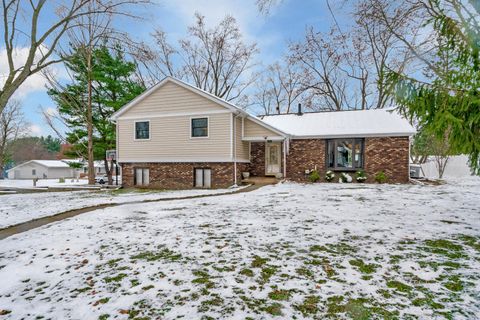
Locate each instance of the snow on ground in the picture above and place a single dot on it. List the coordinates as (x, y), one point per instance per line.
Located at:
(23, 207)
(286, 251)
(28, 183)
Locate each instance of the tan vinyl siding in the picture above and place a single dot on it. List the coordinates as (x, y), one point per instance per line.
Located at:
(172, 99)
(253, 129)
(170, 140)
(242, 146)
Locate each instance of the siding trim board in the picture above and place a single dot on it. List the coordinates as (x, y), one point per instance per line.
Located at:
(180, 160)
(177, 114)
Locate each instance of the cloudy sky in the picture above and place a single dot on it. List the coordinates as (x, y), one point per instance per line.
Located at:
(286, 23)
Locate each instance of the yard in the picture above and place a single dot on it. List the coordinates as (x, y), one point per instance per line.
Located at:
(286, 251)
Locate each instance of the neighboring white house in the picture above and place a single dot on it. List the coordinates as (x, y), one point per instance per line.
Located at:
(42, 169)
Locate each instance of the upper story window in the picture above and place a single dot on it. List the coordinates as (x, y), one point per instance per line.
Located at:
(142, 130)
(199, 127)
(345, 154)
(34, 172)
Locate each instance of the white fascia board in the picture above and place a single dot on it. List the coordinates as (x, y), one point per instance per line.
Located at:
(368, 135)
(261, 139)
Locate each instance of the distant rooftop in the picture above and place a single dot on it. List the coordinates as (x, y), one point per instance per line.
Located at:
(356, 123)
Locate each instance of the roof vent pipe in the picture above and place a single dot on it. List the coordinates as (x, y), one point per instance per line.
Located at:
(299, 109)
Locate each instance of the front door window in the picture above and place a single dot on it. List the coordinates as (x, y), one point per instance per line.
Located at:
(273, 158)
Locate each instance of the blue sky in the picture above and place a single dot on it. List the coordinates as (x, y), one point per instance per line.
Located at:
(287, 22)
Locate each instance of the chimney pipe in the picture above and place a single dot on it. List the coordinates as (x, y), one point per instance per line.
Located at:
(299, 109)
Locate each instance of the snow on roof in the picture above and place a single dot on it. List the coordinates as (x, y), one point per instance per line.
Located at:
(52, 163)
(358, 123)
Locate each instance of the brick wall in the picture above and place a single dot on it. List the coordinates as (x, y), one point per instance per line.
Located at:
(305, 154)
(257, 159)
(181, 175)
(389, 154)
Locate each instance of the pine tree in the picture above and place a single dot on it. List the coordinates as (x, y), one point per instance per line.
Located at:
(112, 87)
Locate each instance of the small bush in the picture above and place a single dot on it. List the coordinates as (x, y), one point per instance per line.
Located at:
(61, 180)
(314, 176)
(361, 176)
(329, 175)
(381, 177)
(345, 178)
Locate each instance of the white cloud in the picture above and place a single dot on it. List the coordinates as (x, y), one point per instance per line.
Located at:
(35, 82)
(245, 12)
(35, 130)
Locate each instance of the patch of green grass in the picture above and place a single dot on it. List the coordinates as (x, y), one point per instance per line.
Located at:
(399, 286)
(471, 241)
(104, 316)
(267, 272)
(275, 309)
(454, 284)
(317, 247)
(134, 282)
(445, 248)
(151, 286)
(164, 254)
(362, 267)
(302, 271)
(309, 306)
(206, 305)
(119, 277)
(258, 262)
(279, 294)
(246, 272)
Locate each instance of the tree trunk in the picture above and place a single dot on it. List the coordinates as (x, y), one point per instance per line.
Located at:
(108, 170)
(91, 167)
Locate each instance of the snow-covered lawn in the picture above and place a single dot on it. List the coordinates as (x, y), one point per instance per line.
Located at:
(28, 183)
(18, 208)
(287, 251)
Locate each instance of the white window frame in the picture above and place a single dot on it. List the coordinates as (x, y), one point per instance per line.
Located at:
(135, 130)
(208, 127)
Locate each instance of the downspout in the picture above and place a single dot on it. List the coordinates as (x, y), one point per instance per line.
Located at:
(234, 150)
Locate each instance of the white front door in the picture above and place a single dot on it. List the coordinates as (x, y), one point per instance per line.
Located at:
(273, 155)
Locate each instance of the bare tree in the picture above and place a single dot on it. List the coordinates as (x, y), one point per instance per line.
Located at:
(320, 58)
(42, 37)
(278, 88)
(215, 59)
(12, 125)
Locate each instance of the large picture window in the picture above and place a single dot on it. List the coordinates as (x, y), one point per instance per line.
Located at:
(345, 154)
(142, 130)
(199, 127)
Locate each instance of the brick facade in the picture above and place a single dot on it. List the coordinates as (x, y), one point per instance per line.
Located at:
(389, 154)
(181, 175)
(257, 159)
(305, 154)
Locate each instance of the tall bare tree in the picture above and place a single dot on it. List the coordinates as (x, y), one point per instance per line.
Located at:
(26, 26)
(215, 59)
(12, 125)
(279, 88)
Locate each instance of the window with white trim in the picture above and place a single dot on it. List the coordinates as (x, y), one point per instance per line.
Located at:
(203, 178)
(345, 154)
(199, 127)
(142, 130)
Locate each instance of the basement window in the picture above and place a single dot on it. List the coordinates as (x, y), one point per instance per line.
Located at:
(199, 128)
(142, 176)
(203, 178)
(345, 154)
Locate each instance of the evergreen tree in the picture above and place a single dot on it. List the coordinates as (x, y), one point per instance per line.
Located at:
(113, 87)
(451, 101)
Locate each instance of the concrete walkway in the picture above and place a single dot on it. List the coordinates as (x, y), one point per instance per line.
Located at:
(36, 223)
